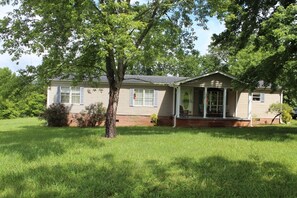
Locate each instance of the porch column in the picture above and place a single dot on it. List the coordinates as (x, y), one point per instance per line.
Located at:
(236, 103)
(177, 101)
(224, 102)
(173, 103)
(205, 102)
(250, 98)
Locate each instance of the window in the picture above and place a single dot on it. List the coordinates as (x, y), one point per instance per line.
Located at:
(70, 95)
(143, 97)
(75, 95)
(65, 94)
(258, 97)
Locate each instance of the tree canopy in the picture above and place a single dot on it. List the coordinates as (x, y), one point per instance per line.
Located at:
(87, 38)
(19, 96)
(261, 42)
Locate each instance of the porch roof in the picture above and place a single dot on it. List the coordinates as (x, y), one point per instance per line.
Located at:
(178, 83)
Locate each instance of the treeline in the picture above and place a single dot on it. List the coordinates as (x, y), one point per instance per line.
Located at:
(20, 96)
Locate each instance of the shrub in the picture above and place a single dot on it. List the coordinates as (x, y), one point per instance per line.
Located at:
(56, 115)
(154, 119)
(281, 109)
(8, 109)
(94, 113)
(286, 117)
(32, 105)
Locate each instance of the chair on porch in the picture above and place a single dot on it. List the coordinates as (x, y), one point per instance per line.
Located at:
(183, 112)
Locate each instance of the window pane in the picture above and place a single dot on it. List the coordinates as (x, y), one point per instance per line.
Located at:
(65, 94)
(75, 98)
(138, 97)
(149, 97)
(65, 89)
(65, 98)
(256, 96)
(75, 90)
(75, 95)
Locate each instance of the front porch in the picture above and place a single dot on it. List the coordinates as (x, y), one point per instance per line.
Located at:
(209, 100)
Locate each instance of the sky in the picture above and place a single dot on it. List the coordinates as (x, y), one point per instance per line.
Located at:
(204, 39)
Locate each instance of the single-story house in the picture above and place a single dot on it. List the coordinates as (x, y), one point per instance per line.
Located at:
(206, 100)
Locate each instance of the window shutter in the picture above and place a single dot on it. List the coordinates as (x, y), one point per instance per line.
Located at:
(131, 97)
(58, 95)
(81, 95)
(155, 98)
(262, 97)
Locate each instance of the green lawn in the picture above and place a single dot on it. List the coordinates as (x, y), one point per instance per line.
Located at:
(36, 161)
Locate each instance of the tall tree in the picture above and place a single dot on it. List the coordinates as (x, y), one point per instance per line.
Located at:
(86, 38)
(182, 64)
(19, 96)
(261, 42)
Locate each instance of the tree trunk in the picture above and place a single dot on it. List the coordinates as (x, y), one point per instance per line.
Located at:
(110, 122)
(275, 117)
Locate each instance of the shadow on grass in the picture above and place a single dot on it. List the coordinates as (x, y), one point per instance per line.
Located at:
(183, 177)
(263, 133)
(217, 176)
(34, 142)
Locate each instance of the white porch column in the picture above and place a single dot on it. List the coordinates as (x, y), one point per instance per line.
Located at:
(250, 99)
(173, 102)
(205, 102)
(177, 101)
(224, 102)
(236, 103)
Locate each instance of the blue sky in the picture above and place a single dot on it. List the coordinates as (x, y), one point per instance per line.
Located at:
(204, 39)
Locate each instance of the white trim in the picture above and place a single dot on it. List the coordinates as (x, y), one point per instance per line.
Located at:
(173, 103)
(224, 102)
(203, 76)
(47, 97)
(281, 101)
(205, 102)
(177, 101)
(250, 99)
(143, 98)
(70, 95)
(174, 121)
(236, 103)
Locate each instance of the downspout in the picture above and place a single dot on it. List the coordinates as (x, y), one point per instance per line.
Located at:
(281, 101)
(174, 121)
(250, 98)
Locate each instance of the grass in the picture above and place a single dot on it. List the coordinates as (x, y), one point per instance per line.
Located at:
(37, 161)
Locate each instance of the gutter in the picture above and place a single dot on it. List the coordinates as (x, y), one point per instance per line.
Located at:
(174, 121)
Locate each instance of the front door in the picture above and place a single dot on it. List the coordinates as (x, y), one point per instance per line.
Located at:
(215, 102)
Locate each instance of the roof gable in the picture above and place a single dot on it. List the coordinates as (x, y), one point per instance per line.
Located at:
(189, 80)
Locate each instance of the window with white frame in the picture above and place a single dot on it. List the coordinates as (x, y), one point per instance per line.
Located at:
(258, 97)
(143, 97)
(70, 95)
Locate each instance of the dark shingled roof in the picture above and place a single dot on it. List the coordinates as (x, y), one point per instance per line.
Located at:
(164, 80)
(152, 79)
(140, 79)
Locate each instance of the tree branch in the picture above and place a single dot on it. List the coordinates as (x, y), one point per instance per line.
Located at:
(148, 27)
